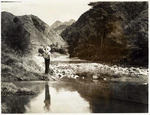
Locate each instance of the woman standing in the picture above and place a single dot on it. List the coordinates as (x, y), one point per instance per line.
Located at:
(46, 56)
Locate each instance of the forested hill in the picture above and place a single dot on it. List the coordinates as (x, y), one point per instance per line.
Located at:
(25, 33)
(111, 32)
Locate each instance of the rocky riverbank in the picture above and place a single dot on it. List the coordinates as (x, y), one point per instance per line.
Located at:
(95, 71)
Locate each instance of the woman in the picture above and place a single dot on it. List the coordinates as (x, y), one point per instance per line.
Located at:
(46, 56)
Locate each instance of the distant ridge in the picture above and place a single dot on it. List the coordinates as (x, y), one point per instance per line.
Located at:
(59, 26)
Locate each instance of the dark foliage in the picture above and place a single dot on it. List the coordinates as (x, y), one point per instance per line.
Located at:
(58, 48)
(112, 32)
(40, 50)
(15, 36)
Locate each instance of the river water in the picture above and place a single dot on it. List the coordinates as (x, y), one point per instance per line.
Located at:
(71, 96)
(68, 97)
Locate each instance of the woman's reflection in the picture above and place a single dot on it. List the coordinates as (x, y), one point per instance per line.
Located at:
(47, 100)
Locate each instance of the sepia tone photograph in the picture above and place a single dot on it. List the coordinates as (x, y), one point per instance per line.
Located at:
(74, 56)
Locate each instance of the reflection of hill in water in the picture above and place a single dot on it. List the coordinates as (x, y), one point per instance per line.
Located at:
(114, 98)
(15, 103)
(33, 85)
(98, 97)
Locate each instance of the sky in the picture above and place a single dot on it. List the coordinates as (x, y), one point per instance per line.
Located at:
(48, 10)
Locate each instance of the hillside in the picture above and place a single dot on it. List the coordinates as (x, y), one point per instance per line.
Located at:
(22, 36)
(111, 32)
(30, 29)
(60, 26)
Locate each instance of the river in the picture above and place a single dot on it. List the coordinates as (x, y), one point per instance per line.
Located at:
(67, 97)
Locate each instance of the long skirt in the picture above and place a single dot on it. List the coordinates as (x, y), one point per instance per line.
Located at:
(47, 62)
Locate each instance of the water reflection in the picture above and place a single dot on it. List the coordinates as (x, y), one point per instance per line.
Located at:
(47, 100)
(69, 97)
(58, 97)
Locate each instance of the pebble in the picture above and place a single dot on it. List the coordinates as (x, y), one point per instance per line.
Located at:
(104, 79)
(95, 77)
(83, 77)
(76, 76)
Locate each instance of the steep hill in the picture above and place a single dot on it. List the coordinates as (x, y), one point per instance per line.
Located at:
(60, 26)
(111, 32)
(27, 32)
(21, 37)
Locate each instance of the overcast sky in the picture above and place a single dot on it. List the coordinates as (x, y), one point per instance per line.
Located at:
(48, 10)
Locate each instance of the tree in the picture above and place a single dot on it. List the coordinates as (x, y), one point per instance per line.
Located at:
(105, 14)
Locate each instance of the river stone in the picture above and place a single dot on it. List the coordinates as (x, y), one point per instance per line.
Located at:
(95, 77)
